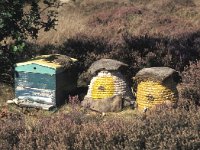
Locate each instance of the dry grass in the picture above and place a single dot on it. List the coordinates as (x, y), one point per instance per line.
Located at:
(163, 18)
(6, 93)
(70, 23)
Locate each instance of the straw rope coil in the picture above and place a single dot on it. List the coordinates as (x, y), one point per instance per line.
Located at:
(151, 93)
(103, 87)
(107, 84)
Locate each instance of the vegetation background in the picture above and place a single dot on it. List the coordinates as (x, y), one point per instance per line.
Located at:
(141, 33)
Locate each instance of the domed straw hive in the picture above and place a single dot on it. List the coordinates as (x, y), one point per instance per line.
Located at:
(156, 85)
(108, 87)
(108, 84)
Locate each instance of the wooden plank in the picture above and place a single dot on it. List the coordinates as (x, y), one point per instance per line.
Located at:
(41, 60)
(27, 103)
(36, 105)
(35, 87)
(35, 80)
(35, 68)
(38, 95)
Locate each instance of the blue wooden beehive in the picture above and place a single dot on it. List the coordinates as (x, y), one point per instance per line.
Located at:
(44, 82)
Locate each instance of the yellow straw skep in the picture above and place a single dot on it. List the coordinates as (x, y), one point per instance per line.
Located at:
(108, 84)
(103, 87)
(156, 86)
(150, 93)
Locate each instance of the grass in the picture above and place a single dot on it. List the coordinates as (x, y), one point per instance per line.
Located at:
(69, 24)
(6, 93)
(164, 18)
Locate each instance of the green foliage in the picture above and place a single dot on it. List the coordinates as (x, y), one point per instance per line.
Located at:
(21, 19)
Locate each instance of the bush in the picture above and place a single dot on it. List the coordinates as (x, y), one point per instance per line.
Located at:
(161, 129)
(8, 58)
(10, 127)
(191, 83)
(138, 52)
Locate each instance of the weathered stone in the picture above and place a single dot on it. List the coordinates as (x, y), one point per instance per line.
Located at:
(99, 65)
(112, 104)
(106, 64)
(157, 74)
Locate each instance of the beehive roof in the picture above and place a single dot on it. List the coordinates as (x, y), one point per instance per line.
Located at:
(54, 61)
(157, 74)
(106, 64)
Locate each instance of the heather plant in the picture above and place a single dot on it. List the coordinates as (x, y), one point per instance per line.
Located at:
(191, 83)
(160, 129)
(110, 16)
(164, 51)
(138, 52)
(10, 126)
(85, 49)
(73, 100)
